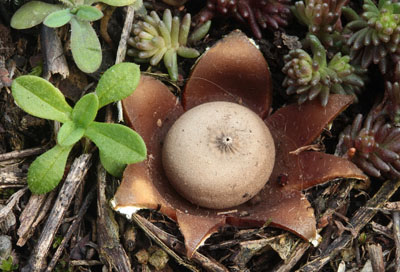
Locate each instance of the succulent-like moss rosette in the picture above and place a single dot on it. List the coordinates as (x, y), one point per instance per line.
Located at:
(392, 101)
(257, 14)
(311, 77)
(322, 17)
(155, 39)
(375, 34)
(374, 145)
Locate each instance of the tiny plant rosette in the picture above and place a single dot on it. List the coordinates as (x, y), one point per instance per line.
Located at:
(155, 39)
(314, 76)
(118, 144)
(375, 34)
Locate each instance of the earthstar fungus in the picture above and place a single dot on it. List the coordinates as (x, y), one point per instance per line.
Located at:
(240, 76)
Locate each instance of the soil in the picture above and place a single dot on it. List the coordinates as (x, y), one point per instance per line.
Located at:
(354, 238)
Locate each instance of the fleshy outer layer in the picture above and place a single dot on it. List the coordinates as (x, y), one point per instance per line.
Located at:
(232, 70)
(152, 109)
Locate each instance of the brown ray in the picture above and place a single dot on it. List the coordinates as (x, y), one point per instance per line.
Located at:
(232, 70)
(320, 167)
(278, 207)
(149, 106)
(137, 191)
(196, 229)
(303, 123)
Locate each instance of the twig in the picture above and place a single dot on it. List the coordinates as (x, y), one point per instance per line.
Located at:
(297, 253)
(357, 222)
(248, 249)
(72, 229)
(168, 242)
(19, 154)
(11, 203)
(85, 263)
(376, 257)
(396, 234)
(121, 52)
(108, 11)
(338, 200)
(53, 54)
(383, 230)
(12, 175)
(110, 250)
(43, 212)
(9, 186)
(78, 171)
(28, 216)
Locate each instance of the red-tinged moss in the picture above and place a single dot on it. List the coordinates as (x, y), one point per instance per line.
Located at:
(257, 14)
(322, 17)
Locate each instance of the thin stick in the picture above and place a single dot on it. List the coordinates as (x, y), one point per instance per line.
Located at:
(376, 257)
(20, 154)
(13, 200)
(298, 252)
(396, 234)
(78, 171)
(110, 249)
(28, 216)
(85, 263)
(43, 212)
(357, 222)
(121, 52)
(169, 242)
(72, 228)
(53, 53)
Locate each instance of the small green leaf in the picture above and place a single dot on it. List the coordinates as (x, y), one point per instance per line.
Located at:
(114, 168)
(85, 46)
(69, 134)
(47, 170)
(117, 142)
(7, 264)
(85, 110)
(117, 83)
(40, 98)
(117, 3)
(200, 33)
(88, 13)
(32, 13)
(58, 18)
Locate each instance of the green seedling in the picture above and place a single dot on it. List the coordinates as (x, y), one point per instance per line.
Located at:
(118, 145)
(85, 45)
(7, 265)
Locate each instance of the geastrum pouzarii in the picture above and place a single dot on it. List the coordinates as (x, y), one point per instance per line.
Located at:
(233, 70)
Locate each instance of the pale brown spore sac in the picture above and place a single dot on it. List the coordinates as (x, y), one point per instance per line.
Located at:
(218, 155)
